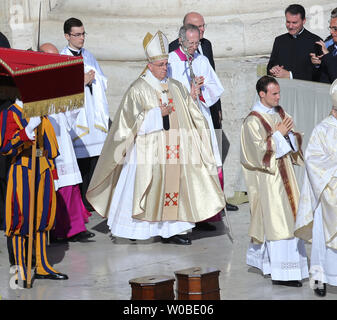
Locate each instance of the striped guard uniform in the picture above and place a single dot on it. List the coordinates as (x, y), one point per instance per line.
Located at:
(16, 144)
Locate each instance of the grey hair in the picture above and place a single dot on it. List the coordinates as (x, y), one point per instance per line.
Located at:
(334, 13)
(184, 29)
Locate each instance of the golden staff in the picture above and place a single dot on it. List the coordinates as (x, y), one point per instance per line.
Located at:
(192, 75)
(32, 193)
(31, 213)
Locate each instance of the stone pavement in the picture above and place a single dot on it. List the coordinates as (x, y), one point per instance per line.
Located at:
(101, 268)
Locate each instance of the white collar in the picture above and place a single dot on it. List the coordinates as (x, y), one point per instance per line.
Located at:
(153, 78)
(155, 84)
(75, 50)
(195, 55)
(297, 34)
(260, 107)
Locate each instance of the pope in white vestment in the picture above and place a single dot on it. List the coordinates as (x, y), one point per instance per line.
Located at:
(146, 182)
(317, 212)
(267, 157)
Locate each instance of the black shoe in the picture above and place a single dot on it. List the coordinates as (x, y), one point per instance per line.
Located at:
(178, 239)
(291, 283)
(231, 207)
(206, 226)
(24, 283)
(84, 235)
(321, 292)
(51, 276)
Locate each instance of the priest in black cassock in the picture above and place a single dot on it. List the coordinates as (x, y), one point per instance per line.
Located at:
(290, 57)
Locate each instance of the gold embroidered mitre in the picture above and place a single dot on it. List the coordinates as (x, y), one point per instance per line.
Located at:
(155, 47)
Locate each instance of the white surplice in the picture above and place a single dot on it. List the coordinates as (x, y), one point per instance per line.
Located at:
(91, 126)
(317, 213)
(286, 259)
(211, 90)
(120, 219)
(66, 163)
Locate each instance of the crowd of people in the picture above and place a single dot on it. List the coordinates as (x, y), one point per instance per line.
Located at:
(155, 169)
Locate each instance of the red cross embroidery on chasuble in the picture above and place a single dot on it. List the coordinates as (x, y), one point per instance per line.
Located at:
(172, 152)
(171, 199)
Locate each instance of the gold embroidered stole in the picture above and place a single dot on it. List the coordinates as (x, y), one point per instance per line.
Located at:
(172, 166)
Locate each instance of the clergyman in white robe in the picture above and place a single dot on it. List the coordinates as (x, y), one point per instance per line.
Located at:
(91, 126)
(71, 214)
(317, 213)
(211, 90)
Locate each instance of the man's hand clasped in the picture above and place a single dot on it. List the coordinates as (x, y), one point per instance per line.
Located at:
(196, 88)
(279, 72)
(165, 109)
(285, 126)
(89, 77)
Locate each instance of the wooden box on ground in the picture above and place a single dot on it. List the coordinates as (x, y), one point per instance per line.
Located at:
(198, 284)
(156, 287)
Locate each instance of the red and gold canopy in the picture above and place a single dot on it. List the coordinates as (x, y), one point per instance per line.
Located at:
(46, 83)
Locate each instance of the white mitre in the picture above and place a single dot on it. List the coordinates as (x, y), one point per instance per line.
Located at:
(156, 47)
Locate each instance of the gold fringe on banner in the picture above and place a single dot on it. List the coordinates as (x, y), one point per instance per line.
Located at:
(50, 106)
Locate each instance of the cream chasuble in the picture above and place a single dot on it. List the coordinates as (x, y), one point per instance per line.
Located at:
(319, 190)
(163, 171)
(271, 182)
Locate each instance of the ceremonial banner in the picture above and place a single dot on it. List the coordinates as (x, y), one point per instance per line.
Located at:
(46, 83)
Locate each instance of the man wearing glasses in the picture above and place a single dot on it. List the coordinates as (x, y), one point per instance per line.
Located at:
(152, 180)
(204, 48)
(205, 88)
(91, 126)
(327, 61)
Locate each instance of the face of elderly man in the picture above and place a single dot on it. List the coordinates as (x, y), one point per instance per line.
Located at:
(197, 20)
(192, 41)
(159, 68)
